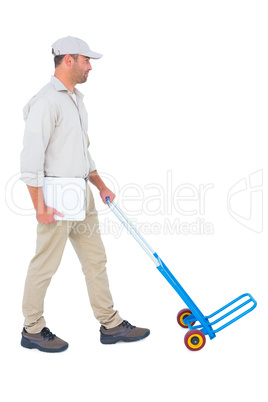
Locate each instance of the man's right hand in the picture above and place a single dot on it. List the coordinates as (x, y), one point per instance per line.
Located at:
(47, 215)
(44, 214)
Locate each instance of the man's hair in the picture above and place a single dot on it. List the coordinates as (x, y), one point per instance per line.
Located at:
(58, 59)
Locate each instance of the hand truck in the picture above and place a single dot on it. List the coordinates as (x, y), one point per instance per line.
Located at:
(195, 338)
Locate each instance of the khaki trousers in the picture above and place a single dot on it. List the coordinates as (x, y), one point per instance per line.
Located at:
(86, 240)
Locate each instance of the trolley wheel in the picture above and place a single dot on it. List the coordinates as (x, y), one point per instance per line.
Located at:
(183, 314)
(194, 340)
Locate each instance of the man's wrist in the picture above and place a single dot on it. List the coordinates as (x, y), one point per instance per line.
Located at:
(95, 179)
(102, 188)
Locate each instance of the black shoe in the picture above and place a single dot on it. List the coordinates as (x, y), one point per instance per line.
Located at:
(44, 341)
(124, 332)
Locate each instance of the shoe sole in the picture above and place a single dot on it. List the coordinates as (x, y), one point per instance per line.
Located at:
(30, 345)
(111, 340)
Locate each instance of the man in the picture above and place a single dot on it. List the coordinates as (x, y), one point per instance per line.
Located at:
(56, 145)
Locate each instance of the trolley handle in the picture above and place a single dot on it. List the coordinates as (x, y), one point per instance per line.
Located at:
(132, 230)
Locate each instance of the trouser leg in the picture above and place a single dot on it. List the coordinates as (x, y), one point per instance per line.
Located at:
(50, 243)
(88, 245)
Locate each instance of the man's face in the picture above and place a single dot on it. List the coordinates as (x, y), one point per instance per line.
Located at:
(80, 69)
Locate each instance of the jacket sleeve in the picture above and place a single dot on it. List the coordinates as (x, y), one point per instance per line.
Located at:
(39, 126)
(92, 165)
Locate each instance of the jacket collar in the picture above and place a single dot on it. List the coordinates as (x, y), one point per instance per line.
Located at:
(59, 86)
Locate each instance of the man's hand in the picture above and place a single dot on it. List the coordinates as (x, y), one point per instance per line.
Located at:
(105, 192)
(44, 214)
(47, 215)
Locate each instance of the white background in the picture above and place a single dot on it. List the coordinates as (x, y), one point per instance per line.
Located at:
(182, 88)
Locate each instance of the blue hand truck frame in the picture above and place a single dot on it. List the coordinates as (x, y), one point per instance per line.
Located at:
(195, 338)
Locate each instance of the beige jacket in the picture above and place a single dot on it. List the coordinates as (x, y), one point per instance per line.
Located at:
(55, 138)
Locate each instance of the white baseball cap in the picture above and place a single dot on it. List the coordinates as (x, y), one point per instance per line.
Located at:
(71, 45)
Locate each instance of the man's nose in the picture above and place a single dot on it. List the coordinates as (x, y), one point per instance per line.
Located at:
(89, 66)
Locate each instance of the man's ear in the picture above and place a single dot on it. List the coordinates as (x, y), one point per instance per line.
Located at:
(68, 60)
